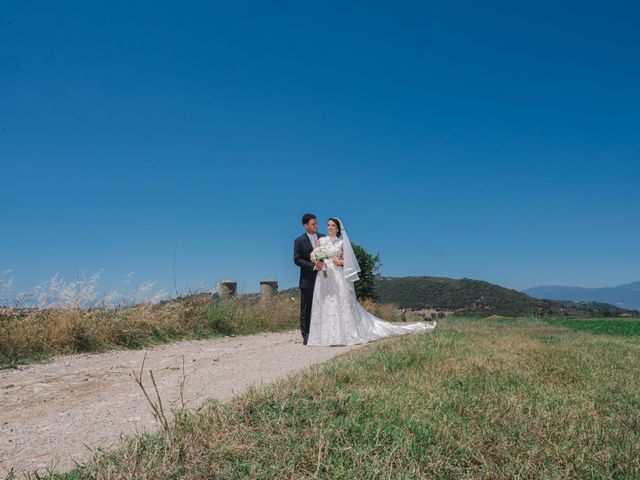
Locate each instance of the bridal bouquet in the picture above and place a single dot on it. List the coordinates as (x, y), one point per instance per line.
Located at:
(320, 254)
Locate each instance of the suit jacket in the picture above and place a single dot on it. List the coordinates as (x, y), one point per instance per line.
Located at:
(302, 249)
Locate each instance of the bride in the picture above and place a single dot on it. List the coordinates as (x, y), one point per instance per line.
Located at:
(336, 317)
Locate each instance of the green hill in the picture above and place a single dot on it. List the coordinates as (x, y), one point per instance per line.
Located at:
(467, 296)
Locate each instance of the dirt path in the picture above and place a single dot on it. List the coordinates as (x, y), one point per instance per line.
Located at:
(51, 413)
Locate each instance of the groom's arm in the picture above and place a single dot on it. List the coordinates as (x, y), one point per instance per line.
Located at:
(299, 259)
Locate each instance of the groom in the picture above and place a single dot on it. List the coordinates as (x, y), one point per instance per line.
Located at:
(302, 248)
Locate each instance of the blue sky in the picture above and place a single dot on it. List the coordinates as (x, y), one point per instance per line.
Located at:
(497, 141)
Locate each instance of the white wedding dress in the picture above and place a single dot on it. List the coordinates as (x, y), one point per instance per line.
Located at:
(336, 316)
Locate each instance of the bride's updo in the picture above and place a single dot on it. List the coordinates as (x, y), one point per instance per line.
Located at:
(338, 226)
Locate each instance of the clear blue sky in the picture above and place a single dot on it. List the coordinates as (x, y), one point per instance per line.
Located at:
(497, 141)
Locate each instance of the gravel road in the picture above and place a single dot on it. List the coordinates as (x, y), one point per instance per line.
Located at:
(52, 414)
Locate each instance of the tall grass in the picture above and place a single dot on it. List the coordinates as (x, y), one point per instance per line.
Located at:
(474, 400)
(41, 333)
(83, 292)
(386, 311)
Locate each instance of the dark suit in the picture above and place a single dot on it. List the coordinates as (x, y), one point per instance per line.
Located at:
(302, 249)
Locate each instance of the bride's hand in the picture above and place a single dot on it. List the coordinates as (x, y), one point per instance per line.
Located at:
(338, 261)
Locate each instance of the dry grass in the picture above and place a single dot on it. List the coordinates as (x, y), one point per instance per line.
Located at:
(474, 400)
(42, 333)
(386, 311)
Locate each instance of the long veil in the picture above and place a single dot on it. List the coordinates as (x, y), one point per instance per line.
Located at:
(351, 267)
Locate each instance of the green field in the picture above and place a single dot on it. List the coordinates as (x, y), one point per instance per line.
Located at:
(607, 326)
(520, 398)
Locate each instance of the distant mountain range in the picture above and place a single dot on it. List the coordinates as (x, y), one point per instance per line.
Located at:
(475, 297)
(623, 296)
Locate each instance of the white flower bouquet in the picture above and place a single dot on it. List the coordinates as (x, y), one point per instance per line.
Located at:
(320, 254)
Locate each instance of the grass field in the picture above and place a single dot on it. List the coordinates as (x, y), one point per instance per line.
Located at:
(511, 398)
(627, 327)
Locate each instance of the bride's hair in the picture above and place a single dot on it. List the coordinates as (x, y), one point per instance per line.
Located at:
(337, 222)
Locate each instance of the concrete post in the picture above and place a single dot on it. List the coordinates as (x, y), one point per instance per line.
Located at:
(268, 288)
(227, 289)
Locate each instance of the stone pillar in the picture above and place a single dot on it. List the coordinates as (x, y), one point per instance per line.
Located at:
(268, 288)
(227, 289)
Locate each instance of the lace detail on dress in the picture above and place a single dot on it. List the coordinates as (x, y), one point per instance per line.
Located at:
(337, 318)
